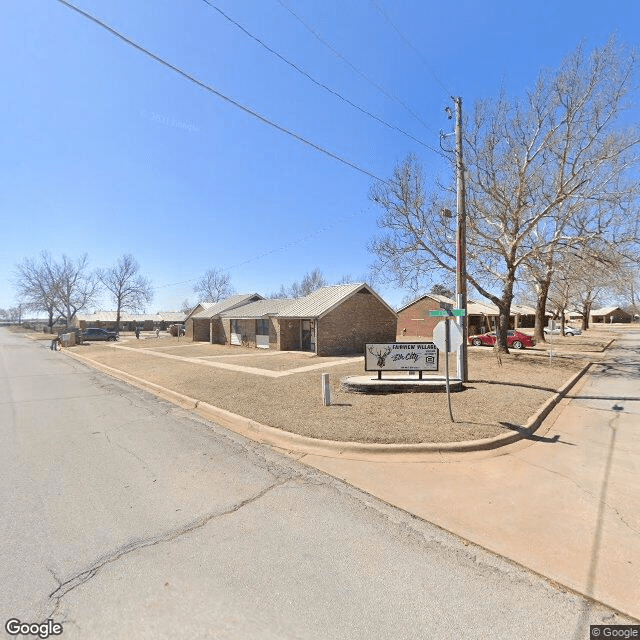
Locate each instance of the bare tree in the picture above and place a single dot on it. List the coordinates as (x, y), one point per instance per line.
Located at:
(282, 292)
(14, 314)
(544, 173)
(214, 285)
(442, 290)
(77, 287)
(128, 288)
(310, 282)
(36, 285)
(186, 306)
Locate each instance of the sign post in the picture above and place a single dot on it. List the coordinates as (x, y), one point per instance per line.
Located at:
(447, 337)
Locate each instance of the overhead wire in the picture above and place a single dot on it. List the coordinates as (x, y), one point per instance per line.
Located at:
(282, 247)
(317, 82)
(217, 93)
(337, 53)
(408, 42)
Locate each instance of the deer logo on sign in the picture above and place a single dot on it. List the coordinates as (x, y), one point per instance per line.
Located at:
(381, 355)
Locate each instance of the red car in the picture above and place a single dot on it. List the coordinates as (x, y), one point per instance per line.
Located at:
(515, 339)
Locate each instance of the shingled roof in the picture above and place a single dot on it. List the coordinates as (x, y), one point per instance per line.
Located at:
(323, 300)
(258, 309)
(216, 308)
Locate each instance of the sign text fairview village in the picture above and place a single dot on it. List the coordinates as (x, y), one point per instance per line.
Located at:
(401, 356)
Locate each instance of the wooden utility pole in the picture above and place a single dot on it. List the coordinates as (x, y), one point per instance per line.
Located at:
(461, 246)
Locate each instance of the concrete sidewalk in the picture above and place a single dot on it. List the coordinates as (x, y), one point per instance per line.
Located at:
(565, 503)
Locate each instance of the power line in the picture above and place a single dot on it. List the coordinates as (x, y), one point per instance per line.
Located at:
(408, 42)
(331, 48)
(217, 93)
(317, 82)
(283, 247)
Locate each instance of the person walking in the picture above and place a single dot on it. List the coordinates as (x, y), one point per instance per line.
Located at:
(55, 343)
(138, 332)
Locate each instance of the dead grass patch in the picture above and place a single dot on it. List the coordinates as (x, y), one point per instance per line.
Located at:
(496, 396)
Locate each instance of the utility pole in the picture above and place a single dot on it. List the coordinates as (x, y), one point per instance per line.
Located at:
(461, 246)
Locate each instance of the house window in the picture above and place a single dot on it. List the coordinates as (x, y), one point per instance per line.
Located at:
(262, 327)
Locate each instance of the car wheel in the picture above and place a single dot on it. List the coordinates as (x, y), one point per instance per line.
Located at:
(516, 344)
(476, 342)
(569, 334)
(111, 339)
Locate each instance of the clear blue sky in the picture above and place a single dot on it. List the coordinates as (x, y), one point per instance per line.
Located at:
(105, 151)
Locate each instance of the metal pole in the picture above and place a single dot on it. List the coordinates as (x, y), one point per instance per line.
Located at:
(447, 344)
(461, 246)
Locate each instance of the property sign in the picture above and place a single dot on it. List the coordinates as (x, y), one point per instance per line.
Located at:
(401, 356)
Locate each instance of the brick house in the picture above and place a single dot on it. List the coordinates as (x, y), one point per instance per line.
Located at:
(610, 314)
(414, 320)
(330, 321)
(203, 324)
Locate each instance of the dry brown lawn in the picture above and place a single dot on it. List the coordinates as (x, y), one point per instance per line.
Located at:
(498, 397)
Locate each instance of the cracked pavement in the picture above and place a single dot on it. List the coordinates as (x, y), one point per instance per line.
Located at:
(126, 517)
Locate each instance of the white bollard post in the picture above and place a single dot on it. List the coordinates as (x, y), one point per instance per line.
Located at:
(326, 390)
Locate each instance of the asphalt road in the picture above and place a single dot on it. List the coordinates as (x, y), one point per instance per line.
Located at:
(126, 517)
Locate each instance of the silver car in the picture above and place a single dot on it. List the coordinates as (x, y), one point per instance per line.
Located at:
(568, 331)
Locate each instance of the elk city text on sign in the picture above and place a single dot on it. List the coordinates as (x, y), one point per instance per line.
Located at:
(401, 356)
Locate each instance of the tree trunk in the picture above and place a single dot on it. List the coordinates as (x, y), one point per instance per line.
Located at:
(586, 311)
(503, 326)
(541, 307)
(117, 327)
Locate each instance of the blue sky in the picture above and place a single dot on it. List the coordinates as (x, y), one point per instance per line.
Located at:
(106, 152)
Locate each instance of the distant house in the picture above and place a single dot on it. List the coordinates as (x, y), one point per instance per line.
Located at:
(610, 314)
(330, 321)
(128, 321)
(524, 316)
(414, 320)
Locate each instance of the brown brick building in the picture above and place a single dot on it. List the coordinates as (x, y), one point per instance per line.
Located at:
(414, 320)
(330, 321)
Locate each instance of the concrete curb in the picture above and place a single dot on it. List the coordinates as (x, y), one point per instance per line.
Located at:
(278, 438)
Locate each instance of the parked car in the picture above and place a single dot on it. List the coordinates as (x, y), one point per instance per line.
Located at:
(95, 333)
(568, 331)
(515, 340)
(177, 330)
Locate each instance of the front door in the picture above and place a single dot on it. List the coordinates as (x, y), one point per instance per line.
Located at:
(306, 335)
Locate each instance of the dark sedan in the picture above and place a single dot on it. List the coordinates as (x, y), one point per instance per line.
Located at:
(515, 340)
(95, 333)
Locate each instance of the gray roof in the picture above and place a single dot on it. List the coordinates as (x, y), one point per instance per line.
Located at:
(110, 316)
(315, 305)
(216, 308)
(323, 300)
(259, 309)
(605, 311)
(436, 297)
